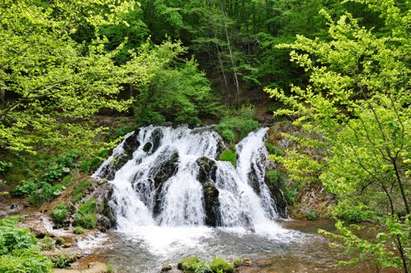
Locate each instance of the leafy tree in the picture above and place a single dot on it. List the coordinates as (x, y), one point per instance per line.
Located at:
(355, 128)
(52, 81)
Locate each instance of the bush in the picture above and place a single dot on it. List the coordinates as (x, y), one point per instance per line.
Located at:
(193, 265)
(219, 265)
(179, 94)
(59, 214)
(27, 261)
(85, 216)
(235, 125)
(228, 155)
(62, 261)
(18, 250)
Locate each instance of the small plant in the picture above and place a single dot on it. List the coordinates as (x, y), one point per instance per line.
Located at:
(274, 177)
(19, 251)
(311, 215)
(62, 261)
(78, 230)
(228, 155)
(219, 265)
(194, 265)
(85, 216)
(59, 214)
(80, 190)
(46, 243)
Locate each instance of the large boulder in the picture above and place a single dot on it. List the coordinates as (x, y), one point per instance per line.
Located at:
(130, 144)
(105, 215)
(207, 177)
(280, 203)
(166, 169)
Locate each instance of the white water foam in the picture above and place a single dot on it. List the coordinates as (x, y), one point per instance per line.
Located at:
(171, 215)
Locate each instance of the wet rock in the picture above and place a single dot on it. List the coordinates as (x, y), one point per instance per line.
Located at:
(207, 170)
(130, 144)
(254, 179)
(147, 147)
(207, 177)
(166, 170)
(105, 215)
(280, 203)
(155, 139)
(166, 268)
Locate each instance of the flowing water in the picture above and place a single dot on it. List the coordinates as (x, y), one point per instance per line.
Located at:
(173, 198)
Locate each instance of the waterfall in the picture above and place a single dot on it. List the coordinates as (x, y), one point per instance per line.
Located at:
(163, 176)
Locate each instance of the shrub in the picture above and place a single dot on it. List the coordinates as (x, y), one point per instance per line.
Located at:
(219, 265)
(62, 261)
(228, 155)
(274, 177)
(193, 265)
(27, 261)
(59, 214)
(18, 250)
(85, 216)
(235, 125)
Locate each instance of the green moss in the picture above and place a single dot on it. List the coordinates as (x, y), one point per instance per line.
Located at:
(219, 265)
(59, 214)
(274, 149)
(85, 215)
(228, 155)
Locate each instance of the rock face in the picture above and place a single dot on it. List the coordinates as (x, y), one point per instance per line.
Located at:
(207, 177)
(279, 199)
(105, 215)
(164, 172)
(130, 144)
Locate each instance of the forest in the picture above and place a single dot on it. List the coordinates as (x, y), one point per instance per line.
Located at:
(141, 121)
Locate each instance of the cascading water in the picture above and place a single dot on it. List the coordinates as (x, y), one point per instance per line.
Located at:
(163, 176)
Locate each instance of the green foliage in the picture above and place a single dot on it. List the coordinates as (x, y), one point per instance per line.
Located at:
(85, 215)
(180, 95)
(194, 265)
(355, 129)
(219, 265)
(59, 214)
(18, 250)
(62, 261)
(235, 125)
(46, 243)
(275, 177)
(228, 155)
(311, 215)
(80, 190)
(78, 230)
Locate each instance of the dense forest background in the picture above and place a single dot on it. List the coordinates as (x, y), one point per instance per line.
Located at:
(331, 77)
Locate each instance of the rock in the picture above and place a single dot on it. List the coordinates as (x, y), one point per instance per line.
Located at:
(166, 268)
(130, 144)
(105, 214)
(155, 139)
(166, 170)
(246, 262)
(207, 177)
(280, 204)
